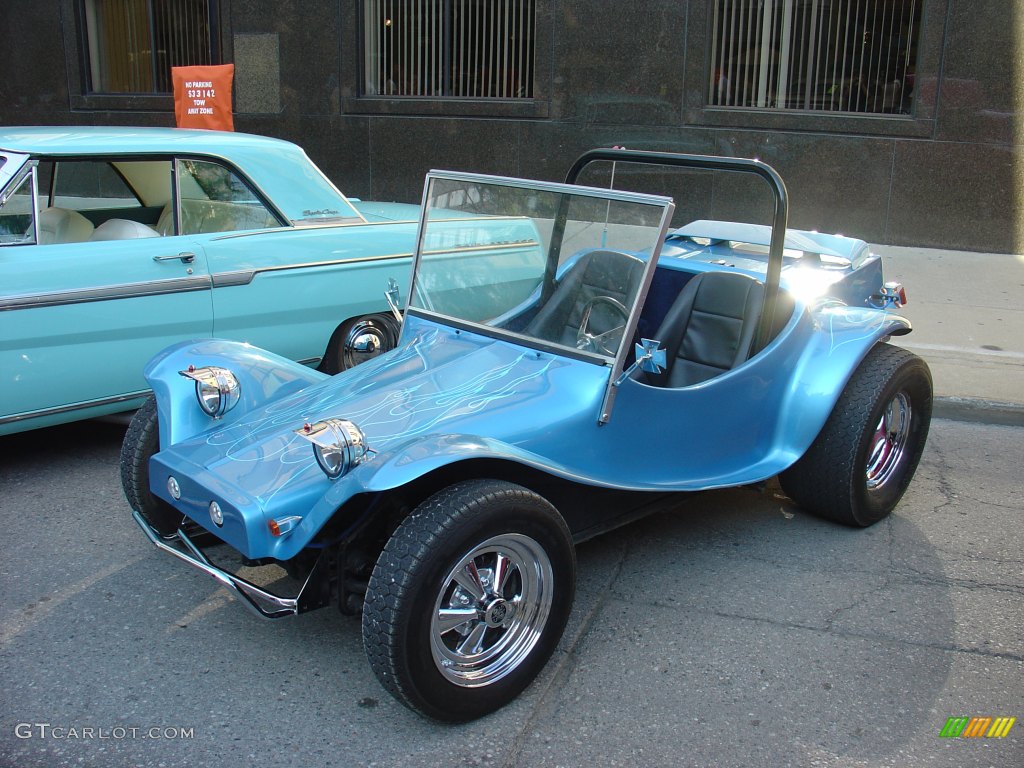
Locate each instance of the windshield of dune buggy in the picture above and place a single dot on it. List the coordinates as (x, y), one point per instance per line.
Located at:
(549, 265)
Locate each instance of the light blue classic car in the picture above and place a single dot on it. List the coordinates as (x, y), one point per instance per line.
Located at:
(566, 363)
(115, 242)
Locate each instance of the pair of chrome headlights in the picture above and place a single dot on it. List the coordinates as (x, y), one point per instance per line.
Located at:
(338, 444)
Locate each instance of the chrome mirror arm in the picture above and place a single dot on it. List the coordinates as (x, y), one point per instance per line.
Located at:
(392, 295)
(650, 357)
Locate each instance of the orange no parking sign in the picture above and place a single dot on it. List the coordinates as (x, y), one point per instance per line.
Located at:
(202, 97)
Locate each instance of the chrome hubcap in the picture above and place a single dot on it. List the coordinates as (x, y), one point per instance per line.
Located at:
(889, 442)
(365, 341)
(491, 610)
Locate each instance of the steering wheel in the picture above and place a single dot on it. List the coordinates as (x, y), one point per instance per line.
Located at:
(608, 341)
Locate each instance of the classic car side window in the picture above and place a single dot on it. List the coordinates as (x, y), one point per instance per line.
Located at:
(214, 199)
(86, 200)
(86, 185)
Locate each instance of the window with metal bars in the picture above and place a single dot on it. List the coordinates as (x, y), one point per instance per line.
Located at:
(473, 49)
(821, 55)
(132, 44)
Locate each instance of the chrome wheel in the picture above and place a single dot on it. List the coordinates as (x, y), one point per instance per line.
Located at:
(469, 598)
(359, 340)
(365, 340)
(889, 442)
(491, 610)
(862, 461)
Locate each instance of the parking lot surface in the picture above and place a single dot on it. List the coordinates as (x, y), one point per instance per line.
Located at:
(733, 630)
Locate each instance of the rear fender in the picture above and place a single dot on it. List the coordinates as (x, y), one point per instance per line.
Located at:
(842, 338)
(262, 377)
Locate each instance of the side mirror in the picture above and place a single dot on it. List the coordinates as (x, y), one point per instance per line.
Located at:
(650, 357)
(393, 296)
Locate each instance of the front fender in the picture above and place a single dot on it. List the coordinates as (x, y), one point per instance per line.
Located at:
(262, 376)
(842, 338)
(423, 456)
(384, 472)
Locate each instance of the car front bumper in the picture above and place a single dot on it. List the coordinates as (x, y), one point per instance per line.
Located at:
(262, 602)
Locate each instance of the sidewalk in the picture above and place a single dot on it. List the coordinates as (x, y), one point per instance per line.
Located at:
(968, 315)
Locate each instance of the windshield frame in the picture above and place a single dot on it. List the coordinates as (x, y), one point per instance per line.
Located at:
(613, 364)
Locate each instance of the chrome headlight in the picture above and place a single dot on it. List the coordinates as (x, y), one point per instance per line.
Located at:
(338, 445)
(217, 389)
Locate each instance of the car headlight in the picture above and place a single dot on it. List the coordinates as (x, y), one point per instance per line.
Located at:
(338, 445)
(217, 389)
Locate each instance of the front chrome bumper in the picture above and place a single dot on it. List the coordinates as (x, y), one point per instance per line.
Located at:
(263, 603)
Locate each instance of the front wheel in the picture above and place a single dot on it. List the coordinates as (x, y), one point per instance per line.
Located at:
(469, 599)
(141, 441)
(863, 459)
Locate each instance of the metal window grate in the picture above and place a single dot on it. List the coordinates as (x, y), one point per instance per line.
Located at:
(831, 55)
(478, 49)
(132, 44)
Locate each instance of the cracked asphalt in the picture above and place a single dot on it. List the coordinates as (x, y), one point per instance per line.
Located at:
(732, 631)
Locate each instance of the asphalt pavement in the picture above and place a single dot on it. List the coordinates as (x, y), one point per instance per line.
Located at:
(733, 630)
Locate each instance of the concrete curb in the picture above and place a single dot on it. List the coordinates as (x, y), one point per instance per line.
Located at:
(978, 411)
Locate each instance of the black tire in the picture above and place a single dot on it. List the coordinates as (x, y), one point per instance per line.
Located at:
(141, 441)
(417, 653)
(359, 340)
(862, 461)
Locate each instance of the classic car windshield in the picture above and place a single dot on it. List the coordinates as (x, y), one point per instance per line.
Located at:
(556, 264)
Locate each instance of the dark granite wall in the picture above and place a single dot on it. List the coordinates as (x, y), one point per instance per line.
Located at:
(631, 74)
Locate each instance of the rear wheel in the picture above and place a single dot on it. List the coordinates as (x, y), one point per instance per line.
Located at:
(359, 340)
(862, 461)
(469, 599)
(141, 441)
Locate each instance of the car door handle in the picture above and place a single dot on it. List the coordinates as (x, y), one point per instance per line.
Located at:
(184, 256)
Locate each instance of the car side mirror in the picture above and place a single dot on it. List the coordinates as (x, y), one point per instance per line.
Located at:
(650, 357)
(393, 296)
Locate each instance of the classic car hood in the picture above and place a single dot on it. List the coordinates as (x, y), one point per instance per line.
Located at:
(472, 385)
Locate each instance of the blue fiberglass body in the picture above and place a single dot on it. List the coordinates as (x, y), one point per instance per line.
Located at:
(565, 364)
(442, 398)
(458, 391)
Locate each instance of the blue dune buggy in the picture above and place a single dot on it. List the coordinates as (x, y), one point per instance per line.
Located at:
(565, 364)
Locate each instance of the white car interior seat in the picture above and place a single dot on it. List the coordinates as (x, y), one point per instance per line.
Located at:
(122, 229)
(62, 225)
